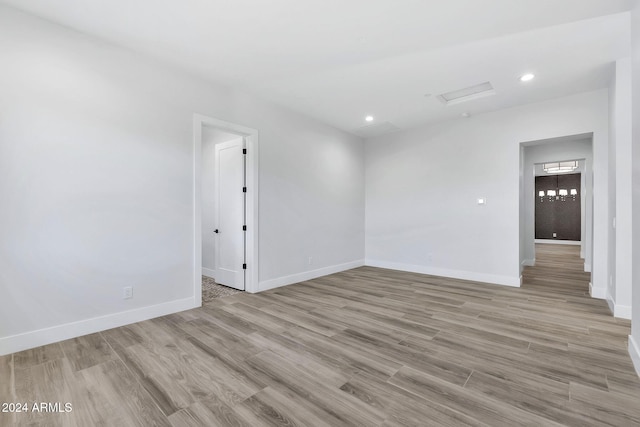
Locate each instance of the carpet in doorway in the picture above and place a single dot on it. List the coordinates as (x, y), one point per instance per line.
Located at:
(211, 290)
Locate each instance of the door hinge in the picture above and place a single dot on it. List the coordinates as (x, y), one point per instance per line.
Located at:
(244, 266)
(244, 189)
(244, 151)
(244, 228)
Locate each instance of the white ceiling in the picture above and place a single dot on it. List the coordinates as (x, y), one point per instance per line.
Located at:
(339, 60)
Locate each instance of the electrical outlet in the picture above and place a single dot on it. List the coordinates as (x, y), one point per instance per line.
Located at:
(554, 235)
(127, 292)
(310, 260)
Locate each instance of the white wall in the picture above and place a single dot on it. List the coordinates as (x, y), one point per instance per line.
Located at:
(210, 137)
(634, 341)
(313, 203)
(620, 194)
(96, 164)
(557, 150)
(611, 202)
(422, 186)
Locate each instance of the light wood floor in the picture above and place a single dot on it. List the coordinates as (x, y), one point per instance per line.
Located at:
(367, 347)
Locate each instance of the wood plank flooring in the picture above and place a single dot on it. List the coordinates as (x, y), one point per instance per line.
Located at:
(366, 347)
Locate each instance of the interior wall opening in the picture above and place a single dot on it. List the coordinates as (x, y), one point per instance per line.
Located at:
(556, 204)
(223, 212)
(225, 208)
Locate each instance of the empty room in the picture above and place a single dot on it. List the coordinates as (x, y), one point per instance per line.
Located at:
(319, 213)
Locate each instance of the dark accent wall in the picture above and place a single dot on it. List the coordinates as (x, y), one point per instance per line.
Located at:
(556, 215)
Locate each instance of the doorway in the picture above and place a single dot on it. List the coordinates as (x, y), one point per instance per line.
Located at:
(533, 157)
(225, 205)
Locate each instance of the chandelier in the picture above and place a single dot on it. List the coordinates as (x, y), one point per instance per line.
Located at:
(561, 193)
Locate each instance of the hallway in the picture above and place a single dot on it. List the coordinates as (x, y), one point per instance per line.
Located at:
(559, 270)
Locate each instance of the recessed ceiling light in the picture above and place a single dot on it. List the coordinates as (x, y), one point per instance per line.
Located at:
(369, 118)
(527, 77)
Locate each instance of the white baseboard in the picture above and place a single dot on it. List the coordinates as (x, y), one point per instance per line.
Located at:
(600, 293)
(611, 303)
(634, 352)
(307, 275)
(622, 311)
(587, 268)
(558, 242)
(209, 272)
(454, 274)
(529, 262)
(27, 340)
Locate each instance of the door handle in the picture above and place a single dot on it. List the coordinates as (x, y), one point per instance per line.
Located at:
(216, 231)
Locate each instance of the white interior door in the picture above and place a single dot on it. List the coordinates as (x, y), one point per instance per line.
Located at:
(230, 213)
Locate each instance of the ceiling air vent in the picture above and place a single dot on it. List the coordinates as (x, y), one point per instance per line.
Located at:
(467, 94)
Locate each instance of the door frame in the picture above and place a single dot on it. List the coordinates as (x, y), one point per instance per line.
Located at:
(251, 248)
